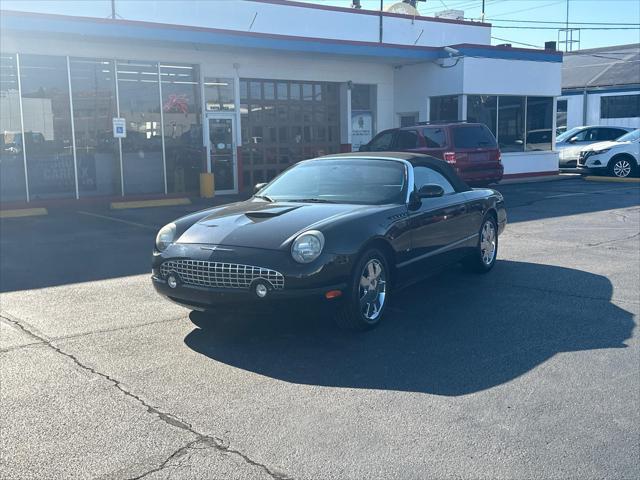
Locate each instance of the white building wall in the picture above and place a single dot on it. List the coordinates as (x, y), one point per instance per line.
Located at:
(575, 111)
(489, 76)
(297, 20)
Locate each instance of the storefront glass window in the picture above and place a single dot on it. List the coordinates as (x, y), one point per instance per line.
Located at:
(561, 116)
(12, 184)
(483, 109)
(286, 123)
(182, 114)
(93, 88)
(444, 109)
(511, 124)
(219, 95)
(47, 126)
(142, 148)
(539, 123)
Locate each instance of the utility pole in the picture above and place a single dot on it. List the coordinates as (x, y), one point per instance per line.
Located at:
(381, 6)
(113, 9)
(482, 16)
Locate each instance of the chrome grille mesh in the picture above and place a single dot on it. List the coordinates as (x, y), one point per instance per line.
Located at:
(220, 275)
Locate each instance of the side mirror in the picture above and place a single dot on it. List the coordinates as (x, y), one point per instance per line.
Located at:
(573, 140)
(258, 187)
(430, 190)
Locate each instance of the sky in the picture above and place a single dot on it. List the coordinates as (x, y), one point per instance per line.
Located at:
(503, 14)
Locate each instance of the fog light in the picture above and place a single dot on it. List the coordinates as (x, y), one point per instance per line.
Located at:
(172, 281)
(261, 290)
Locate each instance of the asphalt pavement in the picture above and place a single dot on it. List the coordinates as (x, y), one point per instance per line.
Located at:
(531, 371)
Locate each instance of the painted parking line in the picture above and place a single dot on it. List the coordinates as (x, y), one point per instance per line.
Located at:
(120, 220)
(23, 212)
(612, 179)
(162, 202)
(578, 194)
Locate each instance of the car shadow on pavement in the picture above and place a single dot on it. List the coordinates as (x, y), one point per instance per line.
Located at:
(453, 334)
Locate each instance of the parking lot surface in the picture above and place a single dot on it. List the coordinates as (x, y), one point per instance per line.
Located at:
(531, 371)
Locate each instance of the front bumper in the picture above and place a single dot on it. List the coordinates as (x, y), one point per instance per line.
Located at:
(224, 285)
(203, 298)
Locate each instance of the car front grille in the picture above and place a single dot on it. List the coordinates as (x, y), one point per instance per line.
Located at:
(220, 275)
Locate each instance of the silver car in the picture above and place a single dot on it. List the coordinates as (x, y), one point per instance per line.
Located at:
(571, 142)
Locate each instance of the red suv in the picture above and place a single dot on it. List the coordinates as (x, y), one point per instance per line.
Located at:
(470, 148)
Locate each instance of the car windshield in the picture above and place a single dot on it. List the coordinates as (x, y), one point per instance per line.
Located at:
(568, 134)
(630, 137)
(350, 180)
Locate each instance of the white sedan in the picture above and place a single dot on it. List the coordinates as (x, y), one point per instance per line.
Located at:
(619, 158)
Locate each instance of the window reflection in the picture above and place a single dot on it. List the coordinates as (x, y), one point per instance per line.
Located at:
(184, 151)
(444, 109)
(94, 106)
(47, 126)
(284, 122)
(539, 123)
(142, 148)
(511, 124)
(483, 109)
(218, 94)
(12, 183)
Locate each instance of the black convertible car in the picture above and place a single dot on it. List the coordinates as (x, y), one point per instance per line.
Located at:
(345, 228)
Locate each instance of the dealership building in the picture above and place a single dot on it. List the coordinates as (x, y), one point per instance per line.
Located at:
(141, 106)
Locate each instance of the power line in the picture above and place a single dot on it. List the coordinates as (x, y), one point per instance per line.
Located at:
(517, 43)
(562, 23)
(518, 27)
(530, 8)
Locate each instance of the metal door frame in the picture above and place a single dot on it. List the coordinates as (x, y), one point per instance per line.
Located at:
(234, 146)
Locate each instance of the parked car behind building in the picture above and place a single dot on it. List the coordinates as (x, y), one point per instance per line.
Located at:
(470, 148)
(620, 158)
(571, 142)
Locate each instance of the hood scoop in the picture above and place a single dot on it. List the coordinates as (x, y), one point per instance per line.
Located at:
(269, 212)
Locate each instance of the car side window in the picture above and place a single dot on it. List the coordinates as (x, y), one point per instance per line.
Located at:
(381, 142)
(406, 139)
(425, 175)
(434, 137)
(585, 135)
(609, 133)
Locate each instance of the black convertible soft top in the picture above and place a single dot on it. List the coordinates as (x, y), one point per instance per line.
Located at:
(415, 159)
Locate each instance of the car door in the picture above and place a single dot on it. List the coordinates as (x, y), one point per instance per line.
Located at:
(438, 225)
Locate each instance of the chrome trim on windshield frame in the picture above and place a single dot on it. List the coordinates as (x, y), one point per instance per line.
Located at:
(437, 251)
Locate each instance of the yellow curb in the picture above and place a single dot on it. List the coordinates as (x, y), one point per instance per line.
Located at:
(23, 212)
(163, 202)
(612, 179)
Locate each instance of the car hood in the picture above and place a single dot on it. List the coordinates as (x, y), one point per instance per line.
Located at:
(601, 145)
(266, 225)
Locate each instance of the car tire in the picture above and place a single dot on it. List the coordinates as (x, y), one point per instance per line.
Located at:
(622, 166)
(485, 252)
(368, 295)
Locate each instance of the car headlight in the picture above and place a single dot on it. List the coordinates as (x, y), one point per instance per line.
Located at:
(598, 152)
(307, 246)
(165, 236)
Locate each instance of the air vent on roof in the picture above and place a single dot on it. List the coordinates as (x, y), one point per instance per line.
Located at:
(451, 14)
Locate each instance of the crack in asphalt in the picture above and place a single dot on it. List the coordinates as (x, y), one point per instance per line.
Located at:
(615, 240)
(207, 440)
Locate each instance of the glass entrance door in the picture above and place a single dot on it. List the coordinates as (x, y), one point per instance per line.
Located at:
(221, 151)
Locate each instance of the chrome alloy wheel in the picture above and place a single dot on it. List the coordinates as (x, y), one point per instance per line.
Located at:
(373, 289)
(488, 242)
(622, 168)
